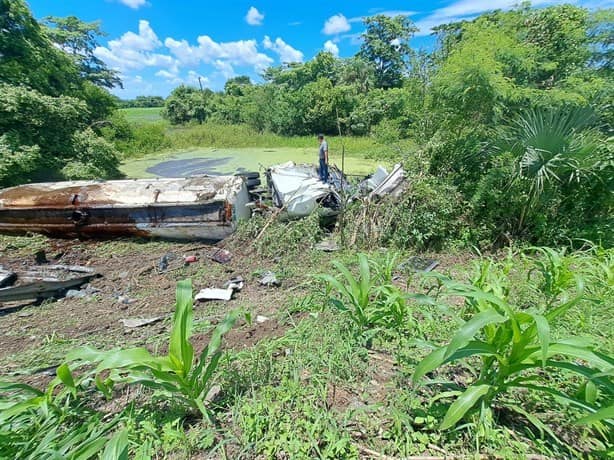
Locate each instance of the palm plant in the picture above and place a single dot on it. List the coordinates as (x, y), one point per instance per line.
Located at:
(552, 148)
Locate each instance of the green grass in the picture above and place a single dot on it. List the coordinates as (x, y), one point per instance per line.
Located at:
(252, 159)
(142, 114)
(222, 135)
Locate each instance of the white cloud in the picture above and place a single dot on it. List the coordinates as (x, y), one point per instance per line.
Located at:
(225, 68)
(241, 52)
(331, 48)
(254, 17)
(286, 52)
(467, 10)
(134, 4)
(336, 24)
(135, 51)
(194, 78)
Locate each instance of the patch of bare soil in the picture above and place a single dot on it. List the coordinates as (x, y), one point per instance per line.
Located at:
(132, 286)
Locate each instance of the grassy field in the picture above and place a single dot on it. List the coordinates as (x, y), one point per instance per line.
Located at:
(142, 114)
(252, 159)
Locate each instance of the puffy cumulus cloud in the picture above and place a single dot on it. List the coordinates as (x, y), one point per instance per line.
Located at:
(336, 24)
(468, 9)
(135, 51)
(331, 48)
(134, 4)
(225, 68)
(254, 17)
(169, 77)
(241, 52)
(194, 78)
(145, 40)
(286, 52)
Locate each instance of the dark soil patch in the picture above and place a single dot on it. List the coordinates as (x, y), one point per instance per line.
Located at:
(131, 286)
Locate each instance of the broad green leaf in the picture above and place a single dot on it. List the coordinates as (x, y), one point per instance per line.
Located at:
(354, 288)
(117, 447)
(11, 386)
(543, 335)
(432, 361)
(471, 328)
(131, 357)
(571, 351)
(64, 374)
(365, 279)
(436, 357)
(21, 407)
(463, 404)
(603, 414)
(180, 349)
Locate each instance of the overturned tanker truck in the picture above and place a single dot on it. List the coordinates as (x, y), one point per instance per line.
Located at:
(192, 208)
(202, 207)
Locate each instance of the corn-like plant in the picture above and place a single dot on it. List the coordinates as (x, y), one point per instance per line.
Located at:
(513, 345)
(178, 375)
(55, 423)
(356, 294)
(370, 300)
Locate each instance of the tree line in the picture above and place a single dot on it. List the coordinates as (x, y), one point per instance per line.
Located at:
(511, 112)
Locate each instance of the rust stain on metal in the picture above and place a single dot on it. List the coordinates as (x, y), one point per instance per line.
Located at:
(199, 207)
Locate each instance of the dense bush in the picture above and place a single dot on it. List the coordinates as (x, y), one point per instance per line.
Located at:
(430, 214)
(52, 90)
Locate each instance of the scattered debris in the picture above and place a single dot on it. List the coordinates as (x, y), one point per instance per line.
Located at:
(163, 263)
(236, 283)
(261, 319)
(126, 300)
(419, 264)
(44, 282)
(190, 259)
(40, 257)
(7, 277)
(139, 322)
(214, 294)
(75, 294)
(214, 394)
(327, 245)
(221, 256)
(269, 279)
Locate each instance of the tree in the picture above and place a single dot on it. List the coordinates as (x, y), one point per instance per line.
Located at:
(236, 86)
(79, 39)
(186, 103)
(386, 47)
(28, 56)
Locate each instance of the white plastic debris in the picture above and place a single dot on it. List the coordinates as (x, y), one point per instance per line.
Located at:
(139, 322)
(214, 294)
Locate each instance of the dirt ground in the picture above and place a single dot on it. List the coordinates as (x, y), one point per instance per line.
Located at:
(131, 285)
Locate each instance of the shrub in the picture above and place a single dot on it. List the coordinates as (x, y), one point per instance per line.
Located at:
(430, 214)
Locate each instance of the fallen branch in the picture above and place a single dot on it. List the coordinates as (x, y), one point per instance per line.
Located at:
(269, 222)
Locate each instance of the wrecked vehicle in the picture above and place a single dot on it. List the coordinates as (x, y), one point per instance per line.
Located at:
(299, 191)
(42, 282)
(200, 207)
(192, 208)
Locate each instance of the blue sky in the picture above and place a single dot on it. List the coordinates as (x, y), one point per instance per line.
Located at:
(159, 44)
